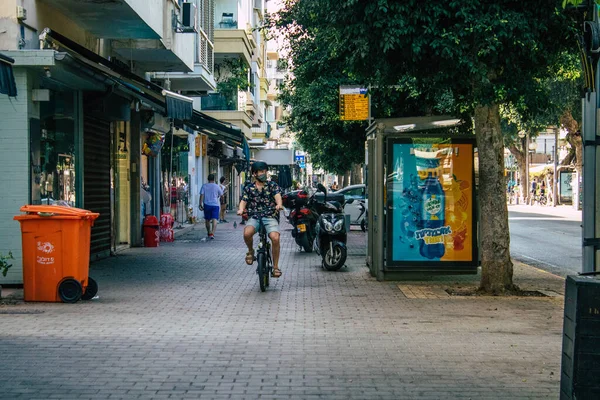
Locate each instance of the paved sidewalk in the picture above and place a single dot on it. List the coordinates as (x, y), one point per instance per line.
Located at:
(565, 212)
(187, 321)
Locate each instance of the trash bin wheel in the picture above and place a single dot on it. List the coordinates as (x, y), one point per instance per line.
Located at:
(90, 290)
(70, 290)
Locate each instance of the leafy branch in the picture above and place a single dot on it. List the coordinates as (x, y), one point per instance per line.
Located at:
(4, 265)
(231, 76)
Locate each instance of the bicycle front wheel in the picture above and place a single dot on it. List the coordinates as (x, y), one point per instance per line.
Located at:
(262, 271)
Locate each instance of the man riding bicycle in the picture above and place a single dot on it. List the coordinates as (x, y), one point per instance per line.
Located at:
(263, 200)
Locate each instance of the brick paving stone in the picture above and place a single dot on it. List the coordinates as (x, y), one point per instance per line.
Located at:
(187, 320)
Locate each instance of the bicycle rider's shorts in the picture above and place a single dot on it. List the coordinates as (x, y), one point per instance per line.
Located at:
(271, 224)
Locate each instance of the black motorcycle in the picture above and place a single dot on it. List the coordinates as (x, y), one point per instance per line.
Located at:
(331, 235)
(302, 217)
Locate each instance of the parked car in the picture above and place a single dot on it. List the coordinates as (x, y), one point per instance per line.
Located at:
(356, 193)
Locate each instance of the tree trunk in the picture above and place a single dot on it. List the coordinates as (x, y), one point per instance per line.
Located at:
(356, 174)
(340, 181)
(496, 266)
(574, 139)
(577, 143)
(346, 179)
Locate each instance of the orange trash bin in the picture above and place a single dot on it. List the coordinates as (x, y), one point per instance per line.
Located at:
(56, 253)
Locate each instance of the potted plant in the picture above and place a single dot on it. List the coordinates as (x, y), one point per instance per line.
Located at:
(5, 265)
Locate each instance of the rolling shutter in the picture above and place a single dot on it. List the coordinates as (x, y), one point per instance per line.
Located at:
(96, 182)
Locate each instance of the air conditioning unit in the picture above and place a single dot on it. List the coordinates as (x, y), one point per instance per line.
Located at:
(189, 19)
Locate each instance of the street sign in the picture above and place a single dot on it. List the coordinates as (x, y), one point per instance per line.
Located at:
(354, 103)
(302, 165)
(300, 158)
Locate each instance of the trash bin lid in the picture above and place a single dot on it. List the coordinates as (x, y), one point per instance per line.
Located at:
(57, 211)
(150, 220)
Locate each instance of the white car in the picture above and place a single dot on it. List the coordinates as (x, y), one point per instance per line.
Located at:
(357, 193)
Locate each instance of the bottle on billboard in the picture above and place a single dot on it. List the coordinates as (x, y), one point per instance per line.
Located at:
(433, 217)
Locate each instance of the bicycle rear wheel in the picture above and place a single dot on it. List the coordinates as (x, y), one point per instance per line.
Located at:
(263, 274)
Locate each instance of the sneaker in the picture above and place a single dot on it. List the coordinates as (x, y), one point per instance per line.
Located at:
(211, 236)
(224, 221)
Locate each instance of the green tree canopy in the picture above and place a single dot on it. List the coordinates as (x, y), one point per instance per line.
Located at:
(479, 53)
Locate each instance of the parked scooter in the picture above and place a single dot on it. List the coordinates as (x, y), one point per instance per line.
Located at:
(331, 235)
(302, 218)
(364, 213)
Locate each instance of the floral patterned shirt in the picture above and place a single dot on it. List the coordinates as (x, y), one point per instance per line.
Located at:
(261, 203)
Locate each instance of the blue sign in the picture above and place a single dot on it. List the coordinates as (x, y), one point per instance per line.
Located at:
(302, 165)
(300, 159)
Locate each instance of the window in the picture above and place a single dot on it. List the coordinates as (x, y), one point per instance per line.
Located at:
(53, 152)
(355, 193)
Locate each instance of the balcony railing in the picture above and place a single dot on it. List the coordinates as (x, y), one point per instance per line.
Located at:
(262, 129)
(227, 22)
(218, 102)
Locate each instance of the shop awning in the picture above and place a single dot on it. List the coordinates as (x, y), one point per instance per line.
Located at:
(216, 129)
(170, 104)
(178, 106)
(7, 78)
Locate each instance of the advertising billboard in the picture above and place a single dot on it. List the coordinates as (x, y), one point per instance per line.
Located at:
(430, 202)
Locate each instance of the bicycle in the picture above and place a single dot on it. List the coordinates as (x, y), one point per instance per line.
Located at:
(264, 261)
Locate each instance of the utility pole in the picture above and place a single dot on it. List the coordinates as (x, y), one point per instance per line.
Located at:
(591, 145)
(527, 188)
(555, 176)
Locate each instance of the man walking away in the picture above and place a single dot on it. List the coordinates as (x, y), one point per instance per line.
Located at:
(533, 191)
(210, 204)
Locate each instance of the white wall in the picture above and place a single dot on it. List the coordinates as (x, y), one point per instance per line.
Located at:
(151, 11)
(275, 157)
(227, 6)
(9, 40)
(14, 164)
(181, 44)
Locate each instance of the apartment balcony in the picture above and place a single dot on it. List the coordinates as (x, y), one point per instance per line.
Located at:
(173, 51)
(272, 51)
(201, 79)
(239, 112)
(264, 88)
(115, 19)
(233, 43)
(261, 131)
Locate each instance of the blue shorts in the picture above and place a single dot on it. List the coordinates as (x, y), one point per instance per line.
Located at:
(211, 212)
(271, 224)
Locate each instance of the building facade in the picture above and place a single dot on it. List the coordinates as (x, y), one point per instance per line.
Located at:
(99, 92)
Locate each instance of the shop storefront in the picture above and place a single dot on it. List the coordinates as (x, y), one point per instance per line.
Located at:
(81, 126)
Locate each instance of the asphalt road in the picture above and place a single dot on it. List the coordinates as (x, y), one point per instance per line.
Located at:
(547, 238)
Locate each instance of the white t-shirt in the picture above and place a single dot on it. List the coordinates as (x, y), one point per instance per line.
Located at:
(211, 192)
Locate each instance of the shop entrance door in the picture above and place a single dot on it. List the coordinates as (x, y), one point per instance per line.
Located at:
(122, 188)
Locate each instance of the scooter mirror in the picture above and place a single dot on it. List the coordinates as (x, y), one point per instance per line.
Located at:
(321, 188)
(349, 201)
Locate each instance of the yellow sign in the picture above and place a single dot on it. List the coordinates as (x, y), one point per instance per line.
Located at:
(197, 141)
(354, 103)
(204, 145)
